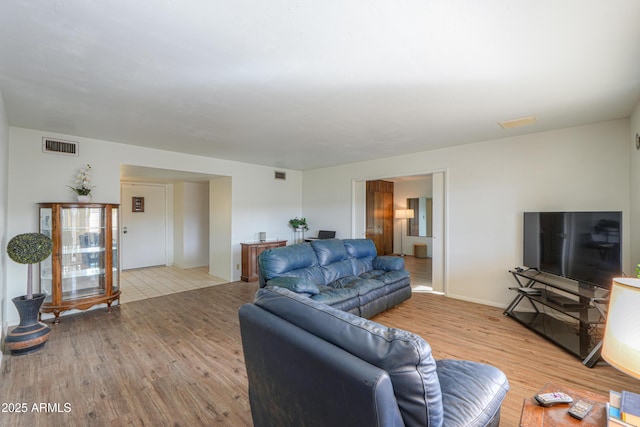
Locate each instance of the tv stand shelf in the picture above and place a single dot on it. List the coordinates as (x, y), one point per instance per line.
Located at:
(561, 310)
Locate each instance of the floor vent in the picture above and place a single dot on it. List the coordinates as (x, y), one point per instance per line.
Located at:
(280, 175)
(57, 146)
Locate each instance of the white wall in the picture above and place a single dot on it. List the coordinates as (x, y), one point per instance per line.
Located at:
(489, 185)
(258, 202)
(220, 222)
(402, 191)
(4, 177)
(191, 224)
(634, 160)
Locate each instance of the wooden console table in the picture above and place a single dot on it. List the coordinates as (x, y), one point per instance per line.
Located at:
(250, 252)
(534, 415)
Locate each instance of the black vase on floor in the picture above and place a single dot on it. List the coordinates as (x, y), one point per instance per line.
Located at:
(30, 335)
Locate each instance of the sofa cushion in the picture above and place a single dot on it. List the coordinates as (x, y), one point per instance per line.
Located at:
(387, 277)
(365, 286)
(336, 271)
(361, 266)
(333, 259)
(406, 357)
(362, 253)
(460, 379)
(360, 248)
(294, 261)
(343, 282)
(331, 296)
(388, 263)
(295, 284)
(329, 251)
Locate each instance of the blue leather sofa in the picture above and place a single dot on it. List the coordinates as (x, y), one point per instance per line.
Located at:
(345, 274)
(309, 364)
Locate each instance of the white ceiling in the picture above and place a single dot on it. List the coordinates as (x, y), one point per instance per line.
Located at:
(306, 84)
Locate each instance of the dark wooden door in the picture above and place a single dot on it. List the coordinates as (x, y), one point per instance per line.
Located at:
(380, 215)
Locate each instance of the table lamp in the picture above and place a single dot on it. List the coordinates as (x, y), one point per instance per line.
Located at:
(621, 343)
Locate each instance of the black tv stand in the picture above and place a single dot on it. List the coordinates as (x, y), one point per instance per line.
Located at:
(564, 311)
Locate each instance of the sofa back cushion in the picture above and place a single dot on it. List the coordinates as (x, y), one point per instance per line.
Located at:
(333, 259)
(290, 261)
(363, 252)
(404, 356)
(360, 248)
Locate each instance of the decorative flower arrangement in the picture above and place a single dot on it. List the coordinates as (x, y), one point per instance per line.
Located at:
(83, 179)
(298, 223)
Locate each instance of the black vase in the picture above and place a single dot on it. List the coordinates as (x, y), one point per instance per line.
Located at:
(30, 335)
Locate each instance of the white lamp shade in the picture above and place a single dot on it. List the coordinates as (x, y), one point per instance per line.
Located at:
(404, 213)
(621, 343)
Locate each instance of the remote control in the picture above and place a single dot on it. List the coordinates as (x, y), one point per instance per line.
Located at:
(580, 409)
(554, 398)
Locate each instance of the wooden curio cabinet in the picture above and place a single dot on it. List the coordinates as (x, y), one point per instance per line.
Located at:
(83, 269)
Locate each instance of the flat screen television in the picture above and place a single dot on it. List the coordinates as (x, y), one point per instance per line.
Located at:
(583, 246)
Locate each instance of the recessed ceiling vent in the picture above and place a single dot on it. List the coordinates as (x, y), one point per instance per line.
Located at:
(280, 175)
(58, 146)
(522, 121)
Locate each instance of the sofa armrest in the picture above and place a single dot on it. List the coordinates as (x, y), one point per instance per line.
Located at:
(295, 284)
(388, 263)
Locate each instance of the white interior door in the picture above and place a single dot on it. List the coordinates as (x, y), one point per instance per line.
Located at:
(143, 233)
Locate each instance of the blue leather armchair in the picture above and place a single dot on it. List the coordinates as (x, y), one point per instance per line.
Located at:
(309, 364)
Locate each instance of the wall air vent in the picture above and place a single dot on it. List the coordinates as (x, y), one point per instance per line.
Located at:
(280, 175)
(58, 146)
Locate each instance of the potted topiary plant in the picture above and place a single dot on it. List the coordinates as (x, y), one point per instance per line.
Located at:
(30, 335)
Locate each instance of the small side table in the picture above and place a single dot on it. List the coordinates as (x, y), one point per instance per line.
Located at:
(420, 250)
(534, 415)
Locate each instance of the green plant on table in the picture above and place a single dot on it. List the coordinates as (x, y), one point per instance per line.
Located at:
(298, 223)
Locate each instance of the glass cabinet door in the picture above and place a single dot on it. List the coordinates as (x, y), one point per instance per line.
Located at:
(83, 249)
(115, 260)
(46, 272)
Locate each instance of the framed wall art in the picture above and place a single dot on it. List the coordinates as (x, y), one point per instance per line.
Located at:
(137, 204)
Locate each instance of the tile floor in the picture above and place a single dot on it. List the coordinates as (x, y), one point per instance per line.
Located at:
(152, 282)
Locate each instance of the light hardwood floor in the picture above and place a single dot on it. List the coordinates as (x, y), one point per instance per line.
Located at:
(177, 360)
(420, 269)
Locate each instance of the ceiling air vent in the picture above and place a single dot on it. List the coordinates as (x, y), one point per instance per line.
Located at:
(280, 175)
(57, 146)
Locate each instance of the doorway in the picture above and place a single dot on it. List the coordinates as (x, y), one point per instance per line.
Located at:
(438, 238)
(216, 237)
(143, 230)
